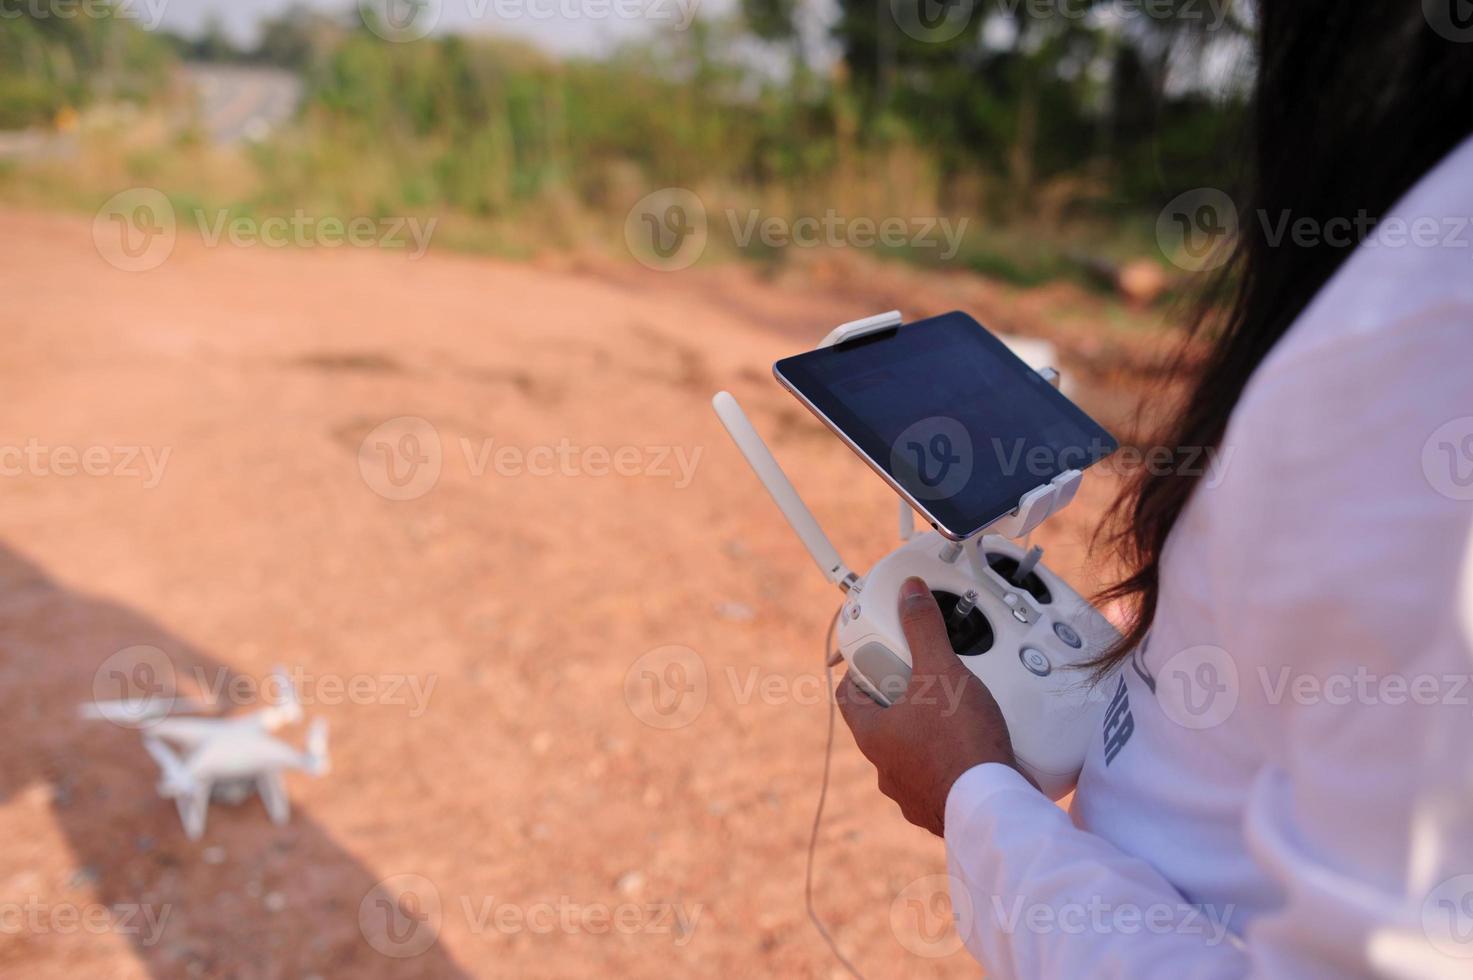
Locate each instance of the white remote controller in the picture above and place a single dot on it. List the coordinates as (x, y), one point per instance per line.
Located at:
(1015, 624)
(1021, 637)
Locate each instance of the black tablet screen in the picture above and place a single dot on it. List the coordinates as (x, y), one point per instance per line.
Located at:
(951, 414)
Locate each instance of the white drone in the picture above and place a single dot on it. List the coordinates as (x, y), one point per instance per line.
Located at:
(204, 759)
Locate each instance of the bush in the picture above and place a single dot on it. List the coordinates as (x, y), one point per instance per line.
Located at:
(27, 102)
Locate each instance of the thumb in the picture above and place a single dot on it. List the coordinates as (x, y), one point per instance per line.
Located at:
(925, 631)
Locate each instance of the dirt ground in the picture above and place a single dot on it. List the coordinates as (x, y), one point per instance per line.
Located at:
(526, 780)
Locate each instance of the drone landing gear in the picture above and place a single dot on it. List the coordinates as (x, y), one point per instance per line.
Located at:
(192, 810)
(273, 794)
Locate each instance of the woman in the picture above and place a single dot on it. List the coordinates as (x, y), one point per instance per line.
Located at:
(1283, 785)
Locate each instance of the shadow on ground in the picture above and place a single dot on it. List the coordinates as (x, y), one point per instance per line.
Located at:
(185, 907)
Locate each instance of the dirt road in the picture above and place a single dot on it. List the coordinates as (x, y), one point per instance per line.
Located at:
(562, 801)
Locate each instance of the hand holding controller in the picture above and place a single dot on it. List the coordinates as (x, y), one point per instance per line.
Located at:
(946, 711)
(1011, 622)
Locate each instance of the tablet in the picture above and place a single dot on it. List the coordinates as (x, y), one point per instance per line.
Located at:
(950, 417)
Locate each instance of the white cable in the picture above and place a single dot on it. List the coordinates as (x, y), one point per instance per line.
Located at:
(823, 792)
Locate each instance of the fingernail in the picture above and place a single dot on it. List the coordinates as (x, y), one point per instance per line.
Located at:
(914, 590)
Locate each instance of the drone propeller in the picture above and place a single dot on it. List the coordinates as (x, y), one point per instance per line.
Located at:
(135, 712)
(176, 778)
(316, 760)
(286, 711)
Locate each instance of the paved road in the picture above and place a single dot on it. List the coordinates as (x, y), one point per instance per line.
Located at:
(239, 103)
(236, 104)
(37, 144)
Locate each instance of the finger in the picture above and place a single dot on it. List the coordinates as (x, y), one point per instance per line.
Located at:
(925, 631)
(858, 708)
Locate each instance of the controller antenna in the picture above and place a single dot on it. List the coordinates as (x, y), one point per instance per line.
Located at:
(760, 458)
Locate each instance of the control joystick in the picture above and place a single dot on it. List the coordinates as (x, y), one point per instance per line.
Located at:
(968, 630)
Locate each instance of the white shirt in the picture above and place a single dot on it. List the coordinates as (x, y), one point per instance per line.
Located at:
(1285, 785)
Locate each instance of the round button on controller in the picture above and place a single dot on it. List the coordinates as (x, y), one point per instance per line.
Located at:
(1036, 661)
(1066, 633)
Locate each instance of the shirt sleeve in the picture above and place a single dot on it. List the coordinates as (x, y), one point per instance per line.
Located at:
(1036, 897)
(1342, 574)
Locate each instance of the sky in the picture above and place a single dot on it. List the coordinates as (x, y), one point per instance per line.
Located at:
(562, 26)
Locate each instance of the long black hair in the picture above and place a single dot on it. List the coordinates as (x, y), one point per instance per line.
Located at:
(1352, 103)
